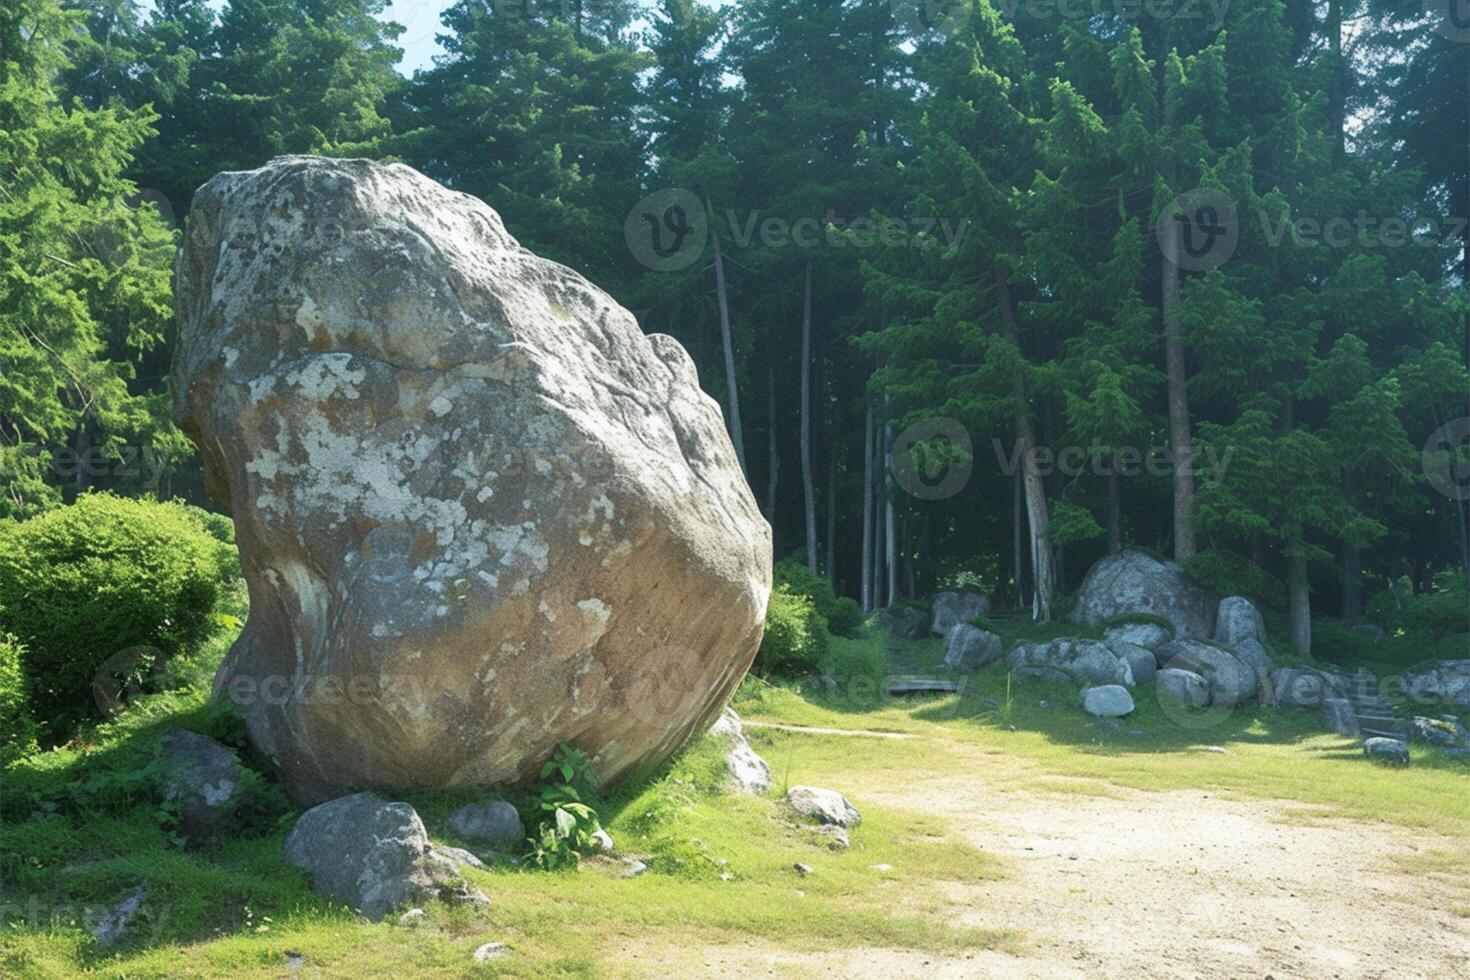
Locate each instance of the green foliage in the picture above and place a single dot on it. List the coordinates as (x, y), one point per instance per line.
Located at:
(1443, 611)
(1229, 573)
(17, 727)
(842, 614)
(796, 636)
(83, 583)
(564, 817)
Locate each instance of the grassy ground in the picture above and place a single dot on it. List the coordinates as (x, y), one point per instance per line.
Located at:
(79, 831)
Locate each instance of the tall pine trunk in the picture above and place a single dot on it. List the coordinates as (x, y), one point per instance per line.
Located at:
(1300, 605)
(1031, 478)
(737, 436)
(1179, 435)
(1352, 586)
(832, 511)
(1018, 495)
(808, 489)
(890, 538)
(867, 572)
(773, 454)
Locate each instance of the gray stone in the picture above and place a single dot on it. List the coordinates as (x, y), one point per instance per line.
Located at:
(635, 869)
(1135, 582)
(1303, 687)
(1182, 687)
(412, 917)
(950, 609)
(477, 507)
(1338, 715)
(1140, 660)
(370, 855)
(1433, 732)
(1238, 625)
(1147, 635)
(748, 772)
(1231, 680)
(1077, 661)
(488, 952)
(1443, 682)
(202, 779)
(602, 841)
(970, 648)
(1391, 751)
(109, 928)
(1107, 701)
(823, 805)
(495, 825)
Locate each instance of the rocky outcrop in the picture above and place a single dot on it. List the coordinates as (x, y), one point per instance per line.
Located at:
(823, 805)
(1141, 661)
(479, 511)
(201, 780)
(370, 855)
(1133, 582)
(1147, 635)
(1338, 715)
(1182, 687)
(1444, 682)
(1107, 701)
(1231, 681)
(1239, 626)
(748, 772)
(971, 648)
(953, 608)
(1074, 661)
(1303, 687)
(1390, 751)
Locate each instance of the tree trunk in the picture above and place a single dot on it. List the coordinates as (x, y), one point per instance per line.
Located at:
(1352, 586)
(808, 489)
(773, 459)
(1300, 611)
(867, 572)
(1115, 509)
(1018, 493)
(832, 511)
(1031, 479)
(737, 435)
(890, 538)
(1179, 435)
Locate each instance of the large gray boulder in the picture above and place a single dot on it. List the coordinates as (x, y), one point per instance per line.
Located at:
(1075, 661)
(479, 511)
(1303, 686)
(201, 779)
(971, 648)
(823, 805)
(1238, 625)
(370, 855)
(496, 825)
(1133, 582)
(1147, 635)
(953, 608)
(1107, 701)
(1182, 687)
(1390, 751)
(748, 772)
(1444, 682)
(1141, 660)
(1338, 715)
(1231, 680)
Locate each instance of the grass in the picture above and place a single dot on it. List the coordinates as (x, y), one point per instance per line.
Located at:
(77, 835)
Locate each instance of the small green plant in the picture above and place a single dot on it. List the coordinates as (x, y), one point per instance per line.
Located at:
(796, 635)
(567, 822)
(17, 728)
(843, 616)
(980, 622)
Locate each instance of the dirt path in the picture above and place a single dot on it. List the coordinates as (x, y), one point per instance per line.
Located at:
(1176, 884)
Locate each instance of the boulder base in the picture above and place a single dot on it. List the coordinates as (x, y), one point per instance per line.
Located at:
(479, 511)
(1133, 581)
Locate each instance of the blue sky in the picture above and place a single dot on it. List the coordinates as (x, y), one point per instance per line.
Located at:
(420, 20)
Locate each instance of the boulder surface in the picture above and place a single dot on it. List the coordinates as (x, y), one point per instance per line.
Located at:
(1444, 682)
(202, 779)
(1077, 661)
(1107, 701)
(1134, 581)
(953, 608)
(479, 511)
(971, 647)
(823, 805)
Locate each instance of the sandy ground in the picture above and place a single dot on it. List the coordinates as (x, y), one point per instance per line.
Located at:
(1176, 884)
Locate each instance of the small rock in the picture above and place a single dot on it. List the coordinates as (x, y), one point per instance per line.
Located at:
(412, 917)
(602, 841)
(970, 648)
(202, 778)
(490, 951)
(1107, 701)
(495, 825)
(1434, 732)
(880, 867)
(1391, 751)
(110, 927)
(823, 805)
(802, 869)
(1141, 660)
(634, 869)
(837, 838)
(1339, 716)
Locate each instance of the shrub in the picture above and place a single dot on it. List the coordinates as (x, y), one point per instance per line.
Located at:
(843, 615)
(1436, 613)
(796, 635)
(17, 728)
(1230, 574)
(79, 584)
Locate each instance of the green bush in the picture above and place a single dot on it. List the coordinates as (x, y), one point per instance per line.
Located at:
(796, 635)
(17, 728)
(1435, 613)
(79, 584)
(843, 615)
(1227, 573)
